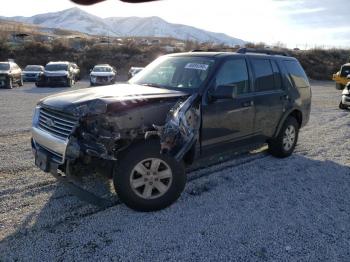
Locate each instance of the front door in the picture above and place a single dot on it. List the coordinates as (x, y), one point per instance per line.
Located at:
(230, 119)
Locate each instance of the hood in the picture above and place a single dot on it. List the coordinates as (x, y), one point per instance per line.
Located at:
(121, 93)
(56, 73)
(4, 71)
(102, 74)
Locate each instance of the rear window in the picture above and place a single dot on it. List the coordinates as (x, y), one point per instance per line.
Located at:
(297, 74)
(264, 76)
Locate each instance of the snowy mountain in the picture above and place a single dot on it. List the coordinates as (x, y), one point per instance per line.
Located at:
(79, 20)
(71, 19)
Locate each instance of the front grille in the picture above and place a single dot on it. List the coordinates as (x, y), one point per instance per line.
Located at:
(102, 78)
(57, 123)
(3, 77)
(55, 79)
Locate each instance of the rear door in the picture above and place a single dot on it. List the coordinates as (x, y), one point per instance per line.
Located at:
(269, 95)
(230, 119)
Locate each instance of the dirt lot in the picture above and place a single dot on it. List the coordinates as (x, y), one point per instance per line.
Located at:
(253, 208)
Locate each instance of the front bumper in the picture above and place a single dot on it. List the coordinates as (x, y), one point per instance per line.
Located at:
(4, 80)
(53, 81)
(54, 146)
(102, 80)
(30, 78)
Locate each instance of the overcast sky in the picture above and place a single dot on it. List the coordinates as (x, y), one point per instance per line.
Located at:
(294, 22)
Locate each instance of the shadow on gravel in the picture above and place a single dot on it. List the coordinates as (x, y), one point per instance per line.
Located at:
(266, 209)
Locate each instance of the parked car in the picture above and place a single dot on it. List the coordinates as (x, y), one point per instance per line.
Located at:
(102, 75)
(180, 108)
(345, 100)
(134, 71)
(57, 74)
(10, 74)
(76, 72)
(340, 77)
(31, 73)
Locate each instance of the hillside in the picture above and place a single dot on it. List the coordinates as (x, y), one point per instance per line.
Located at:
(78, 20)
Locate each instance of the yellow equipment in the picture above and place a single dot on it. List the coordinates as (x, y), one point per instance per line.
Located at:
(341, 77)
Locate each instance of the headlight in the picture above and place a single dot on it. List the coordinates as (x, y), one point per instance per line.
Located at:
(35, 119)
(93, 78)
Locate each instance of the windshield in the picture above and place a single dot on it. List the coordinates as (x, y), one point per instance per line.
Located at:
(32, 68)
(102, 69)
(56, 67)
(4, 66)
(175, 72)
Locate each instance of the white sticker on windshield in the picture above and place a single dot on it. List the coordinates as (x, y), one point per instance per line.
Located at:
(196, 66)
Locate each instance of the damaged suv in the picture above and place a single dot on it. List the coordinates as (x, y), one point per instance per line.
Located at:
(179, 108)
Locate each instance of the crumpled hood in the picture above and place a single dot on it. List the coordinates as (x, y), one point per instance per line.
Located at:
(56, 73)
(108, 94)
(102, 74)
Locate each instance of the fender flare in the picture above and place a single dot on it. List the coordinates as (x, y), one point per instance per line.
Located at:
(283, 119)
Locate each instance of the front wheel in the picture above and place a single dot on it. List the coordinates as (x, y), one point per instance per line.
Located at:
(339, 86)
(69, 82)
(20, 83)
(10, 83)
(284, 144)
(145, 180)
(342, 106)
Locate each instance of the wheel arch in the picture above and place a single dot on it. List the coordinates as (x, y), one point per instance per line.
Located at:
(296, 113)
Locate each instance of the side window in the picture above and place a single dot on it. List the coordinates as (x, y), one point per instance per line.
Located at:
(264, 76)
(276, 75)
(234, 72)
(297, 74)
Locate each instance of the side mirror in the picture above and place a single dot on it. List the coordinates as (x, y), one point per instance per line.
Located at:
(348, 77)
(90, 70)
(225, 92)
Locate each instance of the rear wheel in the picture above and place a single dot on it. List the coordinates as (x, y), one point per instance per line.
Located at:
(145, 180)
(284, 144)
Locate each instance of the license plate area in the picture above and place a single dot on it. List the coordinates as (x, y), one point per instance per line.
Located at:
(42, 160)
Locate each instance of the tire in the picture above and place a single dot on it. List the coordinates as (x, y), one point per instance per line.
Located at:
(284, 144)
(342, 106)
(136, 165)
(339, 86)
(20, 83)
(69, 82)
(10, 83)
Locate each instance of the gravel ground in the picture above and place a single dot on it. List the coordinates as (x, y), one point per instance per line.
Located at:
(250, 208)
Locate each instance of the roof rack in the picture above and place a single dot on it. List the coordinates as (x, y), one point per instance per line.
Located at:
(205, 50)
(261, 51)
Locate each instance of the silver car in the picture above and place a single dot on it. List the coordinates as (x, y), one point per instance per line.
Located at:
(102, 75)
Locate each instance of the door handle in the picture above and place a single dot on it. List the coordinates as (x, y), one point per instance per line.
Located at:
(248, 103)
